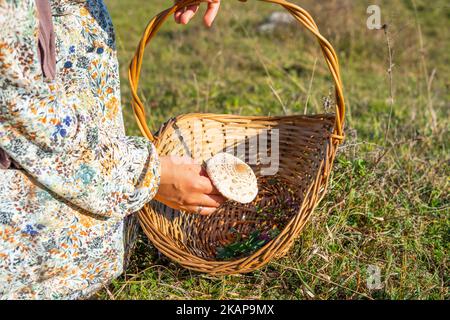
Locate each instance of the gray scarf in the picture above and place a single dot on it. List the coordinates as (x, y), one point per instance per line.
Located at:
(46, 44)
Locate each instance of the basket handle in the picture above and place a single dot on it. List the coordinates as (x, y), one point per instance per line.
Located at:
(300, 14)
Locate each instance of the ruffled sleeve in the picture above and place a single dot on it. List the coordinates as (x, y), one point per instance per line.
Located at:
(103, 172)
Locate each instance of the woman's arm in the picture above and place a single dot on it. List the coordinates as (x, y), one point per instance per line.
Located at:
(73, 155)
(70, 154)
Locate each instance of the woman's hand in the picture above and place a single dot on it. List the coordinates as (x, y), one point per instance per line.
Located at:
(185, 186)
(184, 15)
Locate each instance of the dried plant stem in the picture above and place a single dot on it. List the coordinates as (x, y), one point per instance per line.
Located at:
(427, 76)
(310, 87)
(391, 78)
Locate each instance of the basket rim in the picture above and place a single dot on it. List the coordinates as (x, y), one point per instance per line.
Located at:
(226, 118)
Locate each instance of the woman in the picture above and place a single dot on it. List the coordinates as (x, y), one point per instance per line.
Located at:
(70, 178)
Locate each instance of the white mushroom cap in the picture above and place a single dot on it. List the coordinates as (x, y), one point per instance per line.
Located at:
(233, 178)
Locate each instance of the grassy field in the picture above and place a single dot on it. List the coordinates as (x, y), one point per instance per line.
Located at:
(388, 204)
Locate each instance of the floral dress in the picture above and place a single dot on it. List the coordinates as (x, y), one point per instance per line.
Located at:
(62, 214)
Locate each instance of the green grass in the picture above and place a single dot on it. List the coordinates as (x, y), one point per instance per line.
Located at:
(388, 202)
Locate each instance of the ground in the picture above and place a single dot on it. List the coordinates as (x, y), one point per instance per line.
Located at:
(387, 209)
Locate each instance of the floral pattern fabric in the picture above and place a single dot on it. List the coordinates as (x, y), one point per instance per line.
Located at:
(62, 215)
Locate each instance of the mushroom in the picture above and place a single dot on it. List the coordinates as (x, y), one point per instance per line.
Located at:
(234, 179)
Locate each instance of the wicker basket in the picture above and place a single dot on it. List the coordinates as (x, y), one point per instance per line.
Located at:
(307, 147)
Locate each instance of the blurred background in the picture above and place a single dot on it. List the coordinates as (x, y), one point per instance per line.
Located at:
(383, 229)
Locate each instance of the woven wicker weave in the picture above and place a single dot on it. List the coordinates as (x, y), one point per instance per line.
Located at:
(307, 147)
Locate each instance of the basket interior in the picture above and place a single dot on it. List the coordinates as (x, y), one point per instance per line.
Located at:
(302, 141)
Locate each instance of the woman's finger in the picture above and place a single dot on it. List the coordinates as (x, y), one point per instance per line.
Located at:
(207, 211)
(211, 13)
(211, 200)
(201, 210)
(177, 15)
(197, 208)
(205, 185)
(188, 14)
(206, 200)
